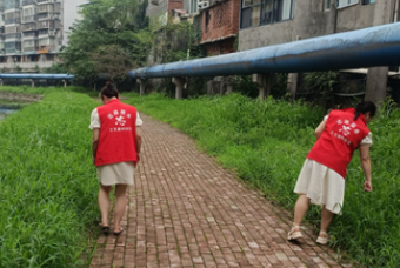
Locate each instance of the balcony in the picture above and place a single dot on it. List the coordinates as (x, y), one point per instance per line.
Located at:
(30, 37)
(31, 49)
(28, 27)
(43, 17)
(50, 24)
(29, 18)
(13, 36)
(13, 21)
(13, 50)
(49, 33)
(46, 49)
(14, 5)
(28, 2)
(27, 64)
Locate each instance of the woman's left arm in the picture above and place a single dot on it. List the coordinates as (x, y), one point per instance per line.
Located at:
(320, 129)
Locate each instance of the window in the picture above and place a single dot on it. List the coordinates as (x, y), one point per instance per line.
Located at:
(29, 43)
(343, 3)
(263, 12)
(28, 11)
(367, 2)
(328, 4)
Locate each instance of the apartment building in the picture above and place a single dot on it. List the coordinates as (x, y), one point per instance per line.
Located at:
(270, 22)
(219, 25)
(31, 34)
(162, 10)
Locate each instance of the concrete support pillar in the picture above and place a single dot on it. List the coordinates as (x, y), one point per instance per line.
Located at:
(1, 82)
(292, 84)
(143, 84)
(33, 83)
(293, 77)
(229, 87)
(376, 84)
(265, 81)
(179, 85)
(65, 83)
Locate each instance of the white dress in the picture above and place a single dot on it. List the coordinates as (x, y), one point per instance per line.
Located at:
(322, 185)
(116, 173)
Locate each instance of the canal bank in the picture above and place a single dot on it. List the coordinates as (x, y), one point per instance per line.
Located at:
(5, 111)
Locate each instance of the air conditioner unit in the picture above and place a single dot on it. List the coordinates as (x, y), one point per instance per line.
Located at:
(203, 4)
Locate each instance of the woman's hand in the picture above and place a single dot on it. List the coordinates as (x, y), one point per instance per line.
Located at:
(368, 186)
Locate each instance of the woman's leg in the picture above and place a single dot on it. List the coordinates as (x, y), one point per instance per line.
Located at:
(300, 209)
(120, 206)
(326, 218)
(104, 202)
(299, 212)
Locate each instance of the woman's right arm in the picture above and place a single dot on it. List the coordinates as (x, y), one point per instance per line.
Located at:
(366, 166)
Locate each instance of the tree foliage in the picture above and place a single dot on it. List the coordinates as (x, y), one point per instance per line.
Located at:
(110, 34)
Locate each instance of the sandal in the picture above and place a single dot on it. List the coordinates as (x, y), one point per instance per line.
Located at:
(322, 239)
(105, 230)
(294, 235)
(117, 234)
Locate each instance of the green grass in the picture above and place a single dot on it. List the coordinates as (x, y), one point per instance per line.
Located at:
(48, 184)
(266, 143)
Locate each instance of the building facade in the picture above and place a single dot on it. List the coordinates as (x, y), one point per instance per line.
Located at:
(219, 26)
(31, 34)
(161, 10)
(270, 22)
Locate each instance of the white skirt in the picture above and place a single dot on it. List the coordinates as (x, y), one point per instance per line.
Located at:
(322, 185)
(117, 173)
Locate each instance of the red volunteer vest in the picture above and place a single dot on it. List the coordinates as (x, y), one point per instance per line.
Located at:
(341, 138)
(117, 133)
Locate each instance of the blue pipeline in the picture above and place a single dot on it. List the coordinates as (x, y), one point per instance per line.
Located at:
(38, 76)
(369, 47)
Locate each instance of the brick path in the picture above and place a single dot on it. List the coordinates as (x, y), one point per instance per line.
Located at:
(186, 211)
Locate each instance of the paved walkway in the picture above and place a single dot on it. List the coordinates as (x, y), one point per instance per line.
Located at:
(186, 211)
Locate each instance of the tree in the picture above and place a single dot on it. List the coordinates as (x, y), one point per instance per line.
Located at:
(18, 69)
(106, 37)
(113, 60)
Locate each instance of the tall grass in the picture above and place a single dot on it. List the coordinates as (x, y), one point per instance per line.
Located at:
(266, 143)
(48, 186)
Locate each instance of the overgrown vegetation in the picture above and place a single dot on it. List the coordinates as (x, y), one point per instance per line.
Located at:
(48, 183)
(266, 143)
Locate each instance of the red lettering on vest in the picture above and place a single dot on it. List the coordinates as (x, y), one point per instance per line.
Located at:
(117, 133)
(341, 137)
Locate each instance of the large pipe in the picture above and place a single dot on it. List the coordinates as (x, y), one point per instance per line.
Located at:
(38, 76)
(369, 47)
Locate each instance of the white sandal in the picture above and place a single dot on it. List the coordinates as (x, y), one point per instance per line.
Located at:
(294, 235)
(322, 239)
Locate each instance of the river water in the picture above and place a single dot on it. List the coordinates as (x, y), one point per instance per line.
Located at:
(4, 111)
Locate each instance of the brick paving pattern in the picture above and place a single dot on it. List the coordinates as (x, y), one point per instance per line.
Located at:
(186, 211)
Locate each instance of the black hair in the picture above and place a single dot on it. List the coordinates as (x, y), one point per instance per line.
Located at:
(365, 107)
(109, 91)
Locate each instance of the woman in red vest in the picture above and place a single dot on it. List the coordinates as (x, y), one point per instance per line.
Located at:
(322, 178)
(116, 148)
